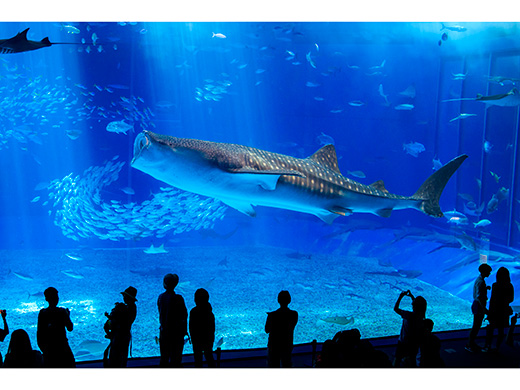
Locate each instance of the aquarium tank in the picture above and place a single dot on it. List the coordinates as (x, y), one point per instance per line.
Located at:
(318, 137)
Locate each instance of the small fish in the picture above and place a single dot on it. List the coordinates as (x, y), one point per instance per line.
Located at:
(358, 174)
(311, 84)
(462, 116)
(414, 148)
(318, 98)
(72, 274)
(487, 146)
(74, 256)
(356, 103)
(259, 71)
(70, 29)
(309, 60)
(22, 276)
(324, 139)
(119, 127)
(128, 191)
(436, 164)
(466, 197)
(495, 176)
(404, 107)
(482, 223)
(444, 37)
(458, 76)
(381, 93)
(317, 47)
(479, 183)
(453, 28)
(409, 91)
(218, 35)
(336, 111)
(94, 39)
(339, 320)
(35, 199)
(73, 134)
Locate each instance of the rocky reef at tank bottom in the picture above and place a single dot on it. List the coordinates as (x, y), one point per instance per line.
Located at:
(331, 292)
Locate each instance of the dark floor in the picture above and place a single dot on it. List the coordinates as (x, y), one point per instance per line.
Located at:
(452, 352)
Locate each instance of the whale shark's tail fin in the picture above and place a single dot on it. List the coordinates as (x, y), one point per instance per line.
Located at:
(431, 190)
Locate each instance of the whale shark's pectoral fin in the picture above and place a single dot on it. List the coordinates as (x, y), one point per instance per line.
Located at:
(243, 207)
(385, 213)
(328, 216)
(266, 179)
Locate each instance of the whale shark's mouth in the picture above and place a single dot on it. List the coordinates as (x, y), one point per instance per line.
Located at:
(142, 142)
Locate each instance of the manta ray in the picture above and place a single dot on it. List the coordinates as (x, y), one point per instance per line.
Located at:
(19, 43)
(510, 99)
(243, 177)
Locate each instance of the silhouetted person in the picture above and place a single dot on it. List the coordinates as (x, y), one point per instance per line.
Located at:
(280, 325)
(3, 332)
(502, 294)
(202, 329)
(118, 329)
(173, 317)
(511, 331)
(478, 307)
(20, 353)
(51, 334)
(430, 349)
(329, 356)
(412, 330)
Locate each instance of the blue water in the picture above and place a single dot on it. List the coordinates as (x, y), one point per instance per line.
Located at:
(370, 88)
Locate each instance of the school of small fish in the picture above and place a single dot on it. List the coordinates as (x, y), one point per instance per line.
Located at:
(81, 213)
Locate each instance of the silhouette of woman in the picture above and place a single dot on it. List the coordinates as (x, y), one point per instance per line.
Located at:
(502, 294)
(20, 353)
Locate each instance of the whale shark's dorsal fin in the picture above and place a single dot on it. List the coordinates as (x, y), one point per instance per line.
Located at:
(326, 156)
(379, 185)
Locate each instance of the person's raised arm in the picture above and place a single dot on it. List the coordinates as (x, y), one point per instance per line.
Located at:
(396, 306)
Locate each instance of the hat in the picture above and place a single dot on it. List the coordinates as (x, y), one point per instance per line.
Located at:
(170, 281)
(130, 292)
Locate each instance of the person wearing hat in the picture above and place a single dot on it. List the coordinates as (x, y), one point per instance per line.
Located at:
(118, 329)
(51, 334)
(173, 317)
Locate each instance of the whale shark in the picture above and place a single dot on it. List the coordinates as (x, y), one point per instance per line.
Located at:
(243, 177)
(19, 43)
(509, 99)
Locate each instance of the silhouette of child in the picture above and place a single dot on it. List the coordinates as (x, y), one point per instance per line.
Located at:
(280, 325)
(412, 330)
(20, 353)
(502, 294)
(202, 329)
(118, 329)
(430, 349)
(478, 307)
(3, 332)
(173, 317)
(51, 335)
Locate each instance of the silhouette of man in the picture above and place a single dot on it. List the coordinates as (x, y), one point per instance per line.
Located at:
(202, 329)
(173, 317)
(119, 328)
(280, 326)
(478, 307)
(51, 334)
